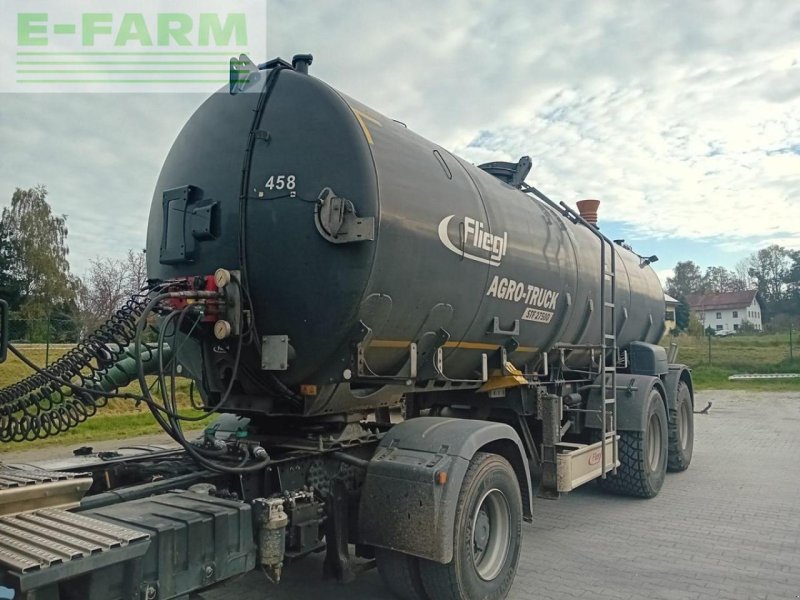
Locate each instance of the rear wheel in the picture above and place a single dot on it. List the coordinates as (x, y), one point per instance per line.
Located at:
(400, 573)
(681, 430)
(487, 535)
(642, 455)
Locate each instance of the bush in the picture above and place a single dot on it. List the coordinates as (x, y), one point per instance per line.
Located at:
(747, 328)
(695, 327)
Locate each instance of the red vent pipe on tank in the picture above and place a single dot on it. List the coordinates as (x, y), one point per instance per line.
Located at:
(588, 210)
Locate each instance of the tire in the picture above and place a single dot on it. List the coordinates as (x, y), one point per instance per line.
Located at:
(400, 573)
(642, 455)
(681, 431)
(488, 514)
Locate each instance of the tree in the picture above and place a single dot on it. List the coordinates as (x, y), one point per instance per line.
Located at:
(108, 283)
(102, 292)
(686, 279)
(135, 271)
(793, 280)
(770, 267)
(38, 240)
(718, 280)
(695, 327)
(742, 274)
(10, 286)
(683, 315)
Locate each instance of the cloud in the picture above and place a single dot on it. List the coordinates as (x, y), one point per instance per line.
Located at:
(684, 118)
(693, 167)
(663, 275)
(99, 156)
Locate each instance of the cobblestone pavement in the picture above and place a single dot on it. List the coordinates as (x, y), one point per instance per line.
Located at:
(727, 528)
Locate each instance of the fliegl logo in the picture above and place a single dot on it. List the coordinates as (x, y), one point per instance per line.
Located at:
(473, 240)
(127, 45)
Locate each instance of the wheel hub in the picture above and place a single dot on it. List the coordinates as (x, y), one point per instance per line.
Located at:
(684, 425)
(482, 530)
(491, 534)
(654, 448)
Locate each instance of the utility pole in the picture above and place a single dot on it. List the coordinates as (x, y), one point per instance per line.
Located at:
(791, 349)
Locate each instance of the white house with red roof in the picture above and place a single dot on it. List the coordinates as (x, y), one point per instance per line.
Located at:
(670, 319)
(727, 311)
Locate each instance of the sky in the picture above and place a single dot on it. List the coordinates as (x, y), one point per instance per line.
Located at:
(683, 118)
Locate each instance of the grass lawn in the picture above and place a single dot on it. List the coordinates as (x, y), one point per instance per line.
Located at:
(765, 353)
(120, 419)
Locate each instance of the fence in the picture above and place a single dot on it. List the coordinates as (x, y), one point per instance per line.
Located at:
(774, 348)
(740, 351)
(47, 332)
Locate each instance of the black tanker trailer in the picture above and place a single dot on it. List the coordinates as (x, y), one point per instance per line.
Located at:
(402, 351)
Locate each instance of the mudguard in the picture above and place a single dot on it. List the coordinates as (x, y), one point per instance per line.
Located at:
(677, 373)
(405, 505)
(632, 395)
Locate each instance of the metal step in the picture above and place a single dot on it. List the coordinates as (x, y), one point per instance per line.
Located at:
(580, 463)
(30, 489)
(47, 538)
(11, 477)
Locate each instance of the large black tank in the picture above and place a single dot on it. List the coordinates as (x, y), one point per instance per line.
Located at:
(444, 246)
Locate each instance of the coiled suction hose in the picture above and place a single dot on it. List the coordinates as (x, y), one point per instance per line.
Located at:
(66, 393)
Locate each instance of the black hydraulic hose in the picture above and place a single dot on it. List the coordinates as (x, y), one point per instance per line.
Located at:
(162, 385)
(146, 393)
(244, 188)
(170, 419)
(350, 460)
(220, 468)
(142, 491)
(137, 342)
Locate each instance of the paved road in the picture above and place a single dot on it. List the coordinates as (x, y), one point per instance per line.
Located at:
(728, 528)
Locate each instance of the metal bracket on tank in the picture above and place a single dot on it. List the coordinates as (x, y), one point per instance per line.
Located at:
(407, 374)
(188, 218)
(496, 329)
(243, 72)
(442, 338)
(337, 221)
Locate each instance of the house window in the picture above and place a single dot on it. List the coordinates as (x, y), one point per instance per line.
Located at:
(719, 327)
(670, 315)
(736, 314)
(719, 316)
(736, 327)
